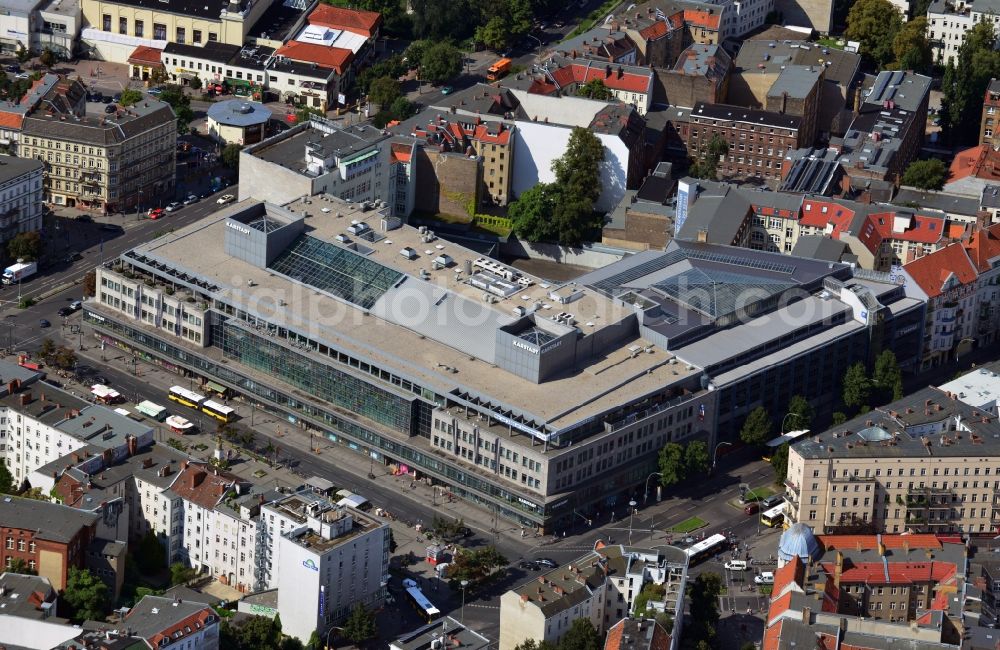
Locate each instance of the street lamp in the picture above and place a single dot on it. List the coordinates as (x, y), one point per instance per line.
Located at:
(327, 645)
(138, 204)
(20, 260)
(631, 515)
(781, 429)
(715, 454)
(465, 583)
(645, 496)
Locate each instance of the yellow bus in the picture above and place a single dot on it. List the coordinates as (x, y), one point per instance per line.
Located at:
(774, 516)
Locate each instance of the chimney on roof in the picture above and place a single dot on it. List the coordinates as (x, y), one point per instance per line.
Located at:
(25, 398)
(197, 478)
(806, 615)
(132, 444)
(607, 71)
(838, 569)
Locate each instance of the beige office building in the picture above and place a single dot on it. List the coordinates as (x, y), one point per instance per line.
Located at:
(927, 463)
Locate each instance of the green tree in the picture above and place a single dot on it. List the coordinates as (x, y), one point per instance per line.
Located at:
(531, 213)
(911, 47)
(130, 97)
(402, 109)
(25, 245)
(414, 53)
(650, 592)
(707, 164)
(181, 574)
(291, 643)
(251, 633)
(22, 54)
(150, 557)
(929, 174)
(874, 23)
(888, 378)
(779, 461)
(475, 565)
(181, 103)
(757, 427)
(86, 594)
(384, 91)
(495, 34)
(749, 645)
(839, 417)
(532, 644)
(359, 626)
(801, 412)
(857, 387)
(46, 349)
(594, 89)
(696, 458)
(47, 58)
(581, 635)
(440, 62)
(671, 464)
(964, 83)
(195, 83)
(578, 181)
(64, 358)
(6, 479)
(18, 565)
(231, 155)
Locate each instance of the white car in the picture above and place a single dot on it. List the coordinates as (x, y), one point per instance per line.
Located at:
(737, 565)
(764, 578)
(226, 198)
(172, 206)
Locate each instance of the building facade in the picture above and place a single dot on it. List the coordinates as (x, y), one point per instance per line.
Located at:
(990, 124)
(20, 196)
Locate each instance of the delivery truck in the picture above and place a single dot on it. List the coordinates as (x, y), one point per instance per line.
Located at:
(19, 272)
(498, 69)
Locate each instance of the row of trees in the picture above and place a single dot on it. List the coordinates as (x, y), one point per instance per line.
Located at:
(679, 462)
(886, 40)
(494, 23)
(883, 386)
(563, 211)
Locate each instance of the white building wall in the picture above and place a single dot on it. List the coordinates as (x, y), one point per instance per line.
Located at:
(537, 144)
(946, 31)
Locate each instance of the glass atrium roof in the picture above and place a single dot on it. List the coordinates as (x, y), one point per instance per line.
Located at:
(537, 336)
(717, 293)
(336, 270)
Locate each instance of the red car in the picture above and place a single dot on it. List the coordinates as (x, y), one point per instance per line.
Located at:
(156, 213)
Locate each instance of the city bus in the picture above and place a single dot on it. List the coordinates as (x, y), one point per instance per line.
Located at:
(218, 411)
(774, 516)
(186, 397)
(705, 548)
(424, 607)
(151, 410)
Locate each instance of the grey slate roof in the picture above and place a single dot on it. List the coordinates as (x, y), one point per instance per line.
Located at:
(11, 167)
(237, 112)
(819, 247)
(51, 521)
(153, 614)
(101, 131)
(17, 588)
(951, 203)
(796, 80)
(201, 8)
(729, 113)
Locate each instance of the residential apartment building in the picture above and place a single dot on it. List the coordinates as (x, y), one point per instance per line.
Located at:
(324, 560)
(640, 634)
(960, 283)
(925, 463)
(757, 140)
(948, 22)
(877, 591)
(114, 28)
(430, 635)
(20, 196)
(107, 163)
(599, 586)
(991, 116)
(27, 596)
(173, 624)
(629, 84)
(48, 538)
(319, 157)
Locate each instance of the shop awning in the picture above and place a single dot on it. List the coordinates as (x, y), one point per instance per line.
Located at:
(215, 388)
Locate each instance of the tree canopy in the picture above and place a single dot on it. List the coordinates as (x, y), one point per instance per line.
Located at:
(930, 174)
(86, 594)
(911, 48)
(874, 24)
(964, 84)
(6, 478)
(757, 427)
(384, 91)
(857, 386)
(440, 62)
(801, 412)
(150, 557)
(779, 461)
(250, 633)
(26, 245)
(707, 164)
(563, 211)
(595, 89)
(703, 603)
(887, 378)
(130, 97)
(360, 625)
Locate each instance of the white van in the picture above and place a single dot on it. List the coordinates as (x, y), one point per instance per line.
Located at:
(737, 565)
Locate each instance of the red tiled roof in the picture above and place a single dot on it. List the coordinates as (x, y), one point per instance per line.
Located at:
(899, 572)
(193, 624)
(772, 637)
(792, 571)
(542, 87)
(356, 21)
(930, 272)
(612, 77)
(869, 542)
(925, 229)
(196, 484)
(654, 31)
(400, 152)
(335, 58)
(983, 246)
(11, 120)
(500, 137)
(660, 638)
(838, 215)
(700, 18)
(145, 55)
(966, 162)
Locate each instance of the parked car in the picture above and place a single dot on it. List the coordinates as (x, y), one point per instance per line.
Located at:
(73, 257)
(13, 67)
(106, 99)
(172, 206)
(110, 108)
(226, 198)
(771, 501)
(65, 311)
(751, 508)
(101, 379)
(117, 97)
(528, 565)
(546, 562)
(155, 213)
(447, 90)
(155, 92)
(22, 75)
(737, 565)
(764, 578)
(44, 323)
(191, 198)
(76, 305)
